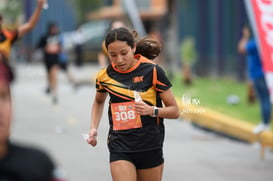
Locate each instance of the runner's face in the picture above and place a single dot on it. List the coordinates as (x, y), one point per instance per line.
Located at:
(5, 111)
(121, 54)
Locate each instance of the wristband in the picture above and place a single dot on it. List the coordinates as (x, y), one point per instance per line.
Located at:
(155, 111)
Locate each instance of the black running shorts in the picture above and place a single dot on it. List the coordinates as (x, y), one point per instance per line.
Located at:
(141, 160)
(51, 61)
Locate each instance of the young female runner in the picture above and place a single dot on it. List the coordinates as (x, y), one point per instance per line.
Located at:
(136, 131)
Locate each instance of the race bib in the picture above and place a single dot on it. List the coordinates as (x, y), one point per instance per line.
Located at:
(124, 116)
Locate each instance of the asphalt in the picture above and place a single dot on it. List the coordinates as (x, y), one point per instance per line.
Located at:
(190, 153)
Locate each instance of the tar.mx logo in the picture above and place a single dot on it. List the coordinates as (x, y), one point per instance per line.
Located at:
(187, 101)
(191, 105)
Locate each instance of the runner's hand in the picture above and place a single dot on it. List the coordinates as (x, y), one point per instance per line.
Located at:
(92, 140)
(143, 109)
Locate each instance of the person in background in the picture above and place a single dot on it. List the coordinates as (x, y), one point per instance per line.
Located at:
(248, 46)
(17, 162)
(7, 37)
(78, 55)
(140, 97)
(51, 47)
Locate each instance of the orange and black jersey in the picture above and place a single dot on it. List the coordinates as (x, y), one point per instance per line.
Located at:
(149, 80)
(7, 38)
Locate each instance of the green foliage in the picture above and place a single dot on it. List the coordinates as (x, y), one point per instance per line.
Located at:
(11, 10)
(188, 51)
(83, 7)
(184, 2)
(213, 93)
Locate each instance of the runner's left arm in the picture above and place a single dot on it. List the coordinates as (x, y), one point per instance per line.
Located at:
(170, 109)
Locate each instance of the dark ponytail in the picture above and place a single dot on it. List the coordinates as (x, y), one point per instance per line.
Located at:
(148, 47)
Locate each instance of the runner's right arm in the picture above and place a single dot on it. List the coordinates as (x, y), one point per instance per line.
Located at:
(96, 113)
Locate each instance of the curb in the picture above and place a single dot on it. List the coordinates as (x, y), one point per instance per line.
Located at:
(218, 122)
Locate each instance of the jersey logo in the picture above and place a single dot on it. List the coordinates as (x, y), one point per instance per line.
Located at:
(138, 79)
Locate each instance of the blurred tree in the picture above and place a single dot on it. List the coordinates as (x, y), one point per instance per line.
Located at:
(188, 57)
(84, 6)
(12, 12)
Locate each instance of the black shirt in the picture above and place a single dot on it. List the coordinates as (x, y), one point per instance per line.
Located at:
(149, 80)
(26, 164)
